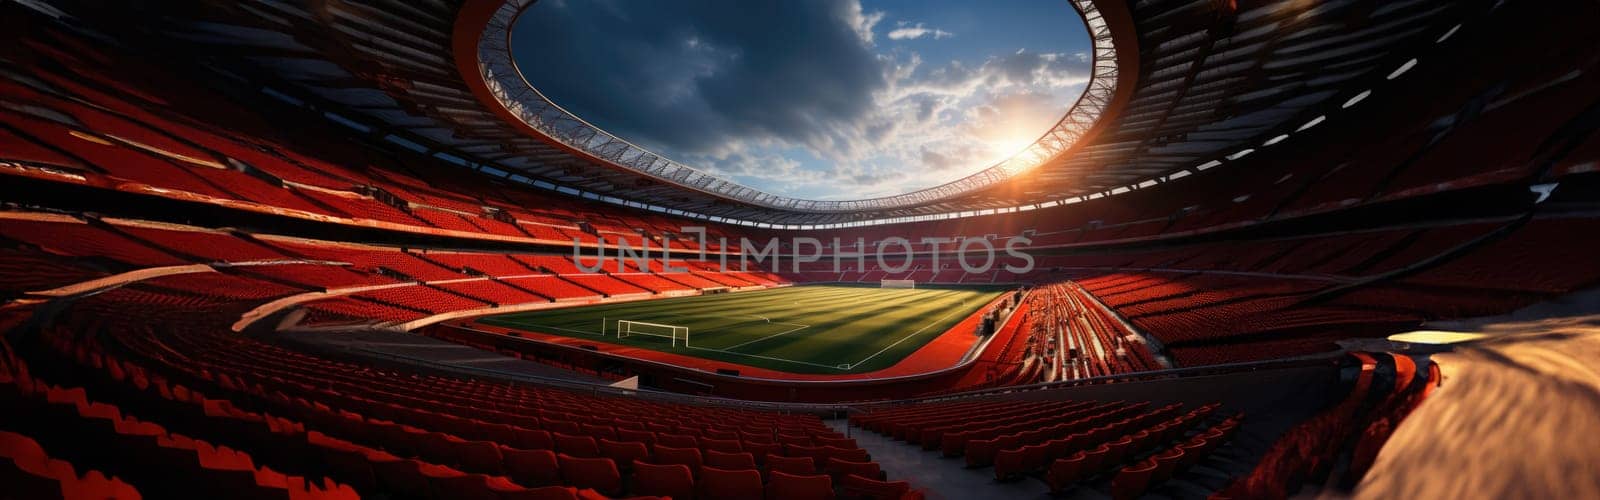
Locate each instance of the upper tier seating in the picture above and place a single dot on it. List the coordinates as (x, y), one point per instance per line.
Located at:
(86, 115)
(1195, 299)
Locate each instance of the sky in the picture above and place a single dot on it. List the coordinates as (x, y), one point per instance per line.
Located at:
(818, 99)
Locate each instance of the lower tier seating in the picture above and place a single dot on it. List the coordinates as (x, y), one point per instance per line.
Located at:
(381, 431)
(1065, 443)
(1384, 388)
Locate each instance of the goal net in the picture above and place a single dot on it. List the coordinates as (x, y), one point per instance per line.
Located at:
(675, 334)
(897, 283)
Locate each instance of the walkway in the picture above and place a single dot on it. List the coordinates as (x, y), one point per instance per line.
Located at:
(933, 473)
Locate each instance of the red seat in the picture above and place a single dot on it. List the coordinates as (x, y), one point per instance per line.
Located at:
(836, 467)
(981, 452)
(1144, 439)
(720, 434)
(677, 440)
(790, 439)
(854, 486)
(792, 465)
(560, 426)
(1065, 471)
(723, 445)
(670, 480)
(33, 474)
(1166, 464)
(1132, 480)
(599, 474)
(1011, 463)
(353, 468)
(659, 428)
(851, 454)
(629, 425)
(535, 439)
(462, 486)
(599, 431)
(532, 467)
(1119, 450)
(730, 461)
(397, 440)
(730, 484)
(800, 450)
(438, 448)
(1165, 430)
(623, 452)
(1097, 459)
(762, 450)
(781, 486)
(576, 446)
(687, 456)
(846, 443)
(480, 456)
(542, 493)
(400, 475)
(1192, 450)
(1006, 462)
(498, 431)
(636, 436)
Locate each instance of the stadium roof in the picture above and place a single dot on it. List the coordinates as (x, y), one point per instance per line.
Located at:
(1179, 86)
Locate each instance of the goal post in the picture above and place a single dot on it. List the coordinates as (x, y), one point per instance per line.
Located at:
(675, 334)
(897, 283)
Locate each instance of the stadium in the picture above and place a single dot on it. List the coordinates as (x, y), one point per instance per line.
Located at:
(855, 249)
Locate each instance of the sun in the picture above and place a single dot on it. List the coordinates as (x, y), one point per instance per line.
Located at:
(1013, 144)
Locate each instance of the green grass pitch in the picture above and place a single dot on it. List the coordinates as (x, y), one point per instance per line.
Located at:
(819, 329)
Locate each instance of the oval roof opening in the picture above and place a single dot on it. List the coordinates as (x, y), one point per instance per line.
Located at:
(825, 100)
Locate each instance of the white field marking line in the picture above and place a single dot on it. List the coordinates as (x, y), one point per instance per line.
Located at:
(775, 335)
(907, 337)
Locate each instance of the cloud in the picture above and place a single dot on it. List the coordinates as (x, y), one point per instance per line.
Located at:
(1003, 73)
(790, 96)
(904, 31)
(690, 77)
(862, 21)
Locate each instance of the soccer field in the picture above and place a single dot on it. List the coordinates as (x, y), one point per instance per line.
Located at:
(826, 329)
